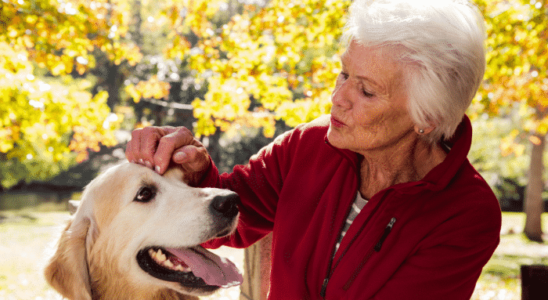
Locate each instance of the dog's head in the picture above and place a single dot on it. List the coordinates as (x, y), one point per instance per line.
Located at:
(137, 231)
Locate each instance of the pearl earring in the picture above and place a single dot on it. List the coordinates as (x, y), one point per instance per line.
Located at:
(421, 131)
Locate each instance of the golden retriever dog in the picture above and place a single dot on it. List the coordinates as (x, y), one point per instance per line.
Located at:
(136, 235)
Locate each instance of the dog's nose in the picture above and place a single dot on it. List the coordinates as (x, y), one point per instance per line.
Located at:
(226, 205)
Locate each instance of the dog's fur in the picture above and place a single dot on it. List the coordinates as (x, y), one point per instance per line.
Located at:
(96, 254)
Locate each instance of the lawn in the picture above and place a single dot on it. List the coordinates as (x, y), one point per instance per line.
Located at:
(26, 236)
(500, 277)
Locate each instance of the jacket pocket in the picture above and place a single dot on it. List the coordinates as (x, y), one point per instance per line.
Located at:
(376, 248)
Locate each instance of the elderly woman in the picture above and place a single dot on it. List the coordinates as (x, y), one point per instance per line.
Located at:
(378, 199)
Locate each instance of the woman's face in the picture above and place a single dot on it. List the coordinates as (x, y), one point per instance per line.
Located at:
(369, 109)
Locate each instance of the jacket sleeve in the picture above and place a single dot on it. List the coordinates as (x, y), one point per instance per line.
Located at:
(258, 184)
(448, 263)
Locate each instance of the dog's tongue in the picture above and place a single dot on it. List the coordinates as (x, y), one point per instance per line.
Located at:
(214, 270)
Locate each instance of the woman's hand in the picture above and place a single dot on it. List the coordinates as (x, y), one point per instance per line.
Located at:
(157, 147)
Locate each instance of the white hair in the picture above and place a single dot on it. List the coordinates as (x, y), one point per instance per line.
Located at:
(442, 44)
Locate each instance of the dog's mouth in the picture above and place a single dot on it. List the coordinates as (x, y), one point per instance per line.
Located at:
(193, 267)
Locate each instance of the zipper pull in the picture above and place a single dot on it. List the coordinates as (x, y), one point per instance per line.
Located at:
(324, 287)
(386, 232)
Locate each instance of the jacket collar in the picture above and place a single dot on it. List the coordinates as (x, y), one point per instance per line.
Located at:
(440, 176)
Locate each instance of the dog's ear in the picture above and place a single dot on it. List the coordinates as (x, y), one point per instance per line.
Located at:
(67, 270)
(177, 173)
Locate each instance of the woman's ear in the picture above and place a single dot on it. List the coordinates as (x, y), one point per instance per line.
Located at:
(424, 130)
(67, 271)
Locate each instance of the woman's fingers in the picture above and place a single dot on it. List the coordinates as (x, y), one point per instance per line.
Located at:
(157, 147)
(194, 161)
(193, 158)
(143, 145)
(170, 143)
(132, 147)
(148, 142)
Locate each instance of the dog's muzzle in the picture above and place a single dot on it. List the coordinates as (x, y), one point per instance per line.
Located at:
(224, 209)
(197, 267)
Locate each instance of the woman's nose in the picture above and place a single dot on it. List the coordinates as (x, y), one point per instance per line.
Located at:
(341, 96)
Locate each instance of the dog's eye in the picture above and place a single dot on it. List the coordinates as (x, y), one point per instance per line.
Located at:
(145, 194)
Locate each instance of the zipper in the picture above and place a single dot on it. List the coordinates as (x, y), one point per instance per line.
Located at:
(324, 287)
(383, 237)
(376, 248)
(333, 250)
(386, 231)
(330, 264)
(385, 234)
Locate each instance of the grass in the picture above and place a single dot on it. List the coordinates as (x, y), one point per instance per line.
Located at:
(25, 238)
(28, 235)
(500, 278)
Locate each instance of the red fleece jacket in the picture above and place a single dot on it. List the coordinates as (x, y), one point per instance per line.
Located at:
(427, 239)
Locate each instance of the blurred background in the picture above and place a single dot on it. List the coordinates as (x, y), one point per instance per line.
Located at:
(76, 76)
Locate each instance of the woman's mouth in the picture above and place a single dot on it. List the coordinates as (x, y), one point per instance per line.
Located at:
(336, 123)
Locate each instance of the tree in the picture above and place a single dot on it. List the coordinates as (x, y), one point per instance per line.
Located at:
(501, 162)
(270, 62)
(516, 73)
(44, 112)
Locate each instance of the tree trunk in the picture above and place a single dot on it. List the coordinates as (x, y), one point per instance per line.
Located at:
(533, 206)
(137, 21)
(113, 85)
(257, 259)
(213, 146)
(114, 80)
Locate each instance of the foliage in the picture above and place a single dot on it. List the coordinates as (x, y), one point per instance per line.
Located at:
(271, 62)
(516, 73)
(61, 35)
(496, 165)
(499, 152)
(41, 120)
(166, 43)
(44, 112)
(237, 149)
(257, 62)
(517, 39)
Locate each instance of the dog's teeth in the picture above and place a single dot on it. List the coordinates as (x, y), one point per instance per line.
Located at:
(161, 257)
(180, 268)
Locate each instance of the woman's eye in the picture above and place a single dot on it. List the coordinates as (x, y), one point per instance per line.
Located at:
(145, 194)
(367, 94)
(343, 75)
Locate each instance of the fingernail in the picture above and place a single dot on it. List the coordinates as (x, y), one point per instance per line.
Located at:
(180, 156)
(157, 169)
(148, 164)
(141, 161)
